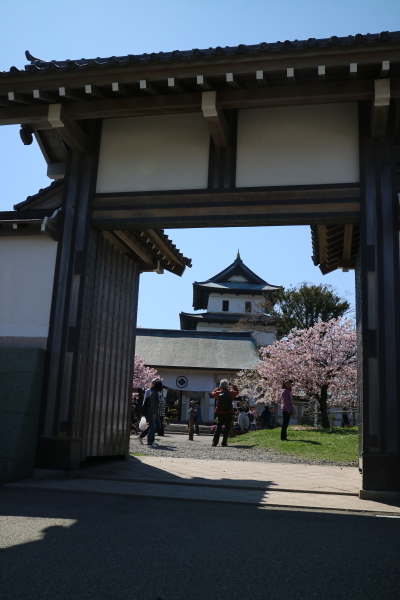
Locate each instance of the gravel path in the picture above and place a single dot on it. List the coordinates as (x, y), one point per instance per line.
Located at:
(204, 451)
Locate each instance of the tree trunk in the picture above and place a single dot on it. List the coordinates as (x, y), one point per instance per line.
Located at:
(324, 406)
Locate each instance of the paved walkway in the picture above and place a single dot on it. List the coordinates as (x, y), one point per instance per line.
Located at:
(261, 484)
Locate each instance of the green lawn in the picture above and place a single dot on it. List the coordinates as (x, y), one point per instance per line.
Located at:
(336, 444)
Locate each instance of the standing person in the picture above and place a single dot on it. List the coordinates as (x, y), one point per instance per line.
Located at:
(198, 418)
(271, 424)
(145, 408)
(152, 412)
(243, 420)
(286, 406)
(161, 414)
(265, 417)
(224, 394)
(252, 414)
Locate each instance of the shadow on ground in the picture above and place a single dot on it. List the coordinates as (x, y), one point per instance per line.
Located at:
(60, 546)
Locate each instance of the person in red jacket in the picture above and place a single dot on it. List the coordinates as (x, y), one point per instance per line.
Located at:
(224, 409)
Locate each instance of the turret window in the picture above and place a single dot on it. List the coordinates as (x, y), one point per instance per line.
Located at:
(225, 305)
(247, 306)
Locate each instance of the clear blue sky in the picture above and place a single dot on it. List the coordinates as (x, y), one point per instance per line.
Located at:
(87, 29)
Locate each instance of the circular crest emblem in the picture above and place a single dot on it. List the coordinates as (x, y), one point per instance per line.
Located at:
(181, 381)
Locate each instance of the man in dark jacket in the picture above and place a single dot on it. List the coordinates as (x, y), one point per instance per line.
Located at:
(224, 416)
(152, 412)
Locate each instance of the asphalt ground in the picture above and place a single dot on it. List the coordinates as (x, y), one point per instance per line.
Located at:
(82, 546)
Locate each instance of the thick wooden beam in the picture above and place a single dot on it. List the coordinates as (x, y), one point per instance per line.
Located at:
(380, 109)
(292, 205)
(328, 93)
(348, 238)
(215, 120)
(134, 245)
(70, 132)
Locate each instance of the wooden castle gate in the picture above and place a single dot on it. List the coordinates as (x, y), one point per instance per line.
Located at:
(302, 132)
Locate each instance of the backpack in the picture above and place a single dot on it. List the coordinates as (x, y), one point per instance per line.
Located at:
(251, 417)
(224, 403)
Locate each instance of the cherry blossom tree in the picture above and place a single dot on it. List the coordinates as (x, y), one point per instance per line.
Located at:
(321, 361)
(142, 375)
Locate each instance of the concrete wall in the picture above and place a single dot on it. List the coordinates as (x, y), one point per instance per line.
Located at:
(21, 378)
(164, 152)
(298, 145)
(26, 275)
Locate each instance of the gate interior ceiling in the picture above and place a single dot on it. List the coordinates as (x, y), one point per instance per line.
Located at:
(299, 132)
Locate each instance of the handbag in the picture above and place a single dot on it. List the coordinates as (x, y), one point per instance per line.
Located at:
(143, 424)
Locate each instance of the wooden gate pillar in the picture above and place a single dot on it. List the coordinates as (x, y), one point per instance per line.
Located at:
(59, 442)
(378, 307)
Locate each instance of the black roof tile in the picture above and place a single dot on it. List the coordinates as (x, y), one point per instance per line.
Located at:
(37, 64)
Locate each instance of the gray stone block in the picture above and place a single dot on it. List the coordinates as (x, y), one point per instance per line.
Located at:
(18, 436)
(21, 393)
(22, 360)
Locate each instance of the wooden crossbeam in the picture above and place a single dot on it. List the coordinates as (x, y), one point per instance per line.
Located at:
(94, 91)
(260, 78)
(44, 96)
(146, 86)
(290, 75)
(321, 72)
(164, 249)
(353, 71)
(292, 205)
(385, 68)
(119, 88)
(232, 80)
(203, 83)
(215, 120)
(257, 97)
(174, 85)
(19, 98)
(65, 92)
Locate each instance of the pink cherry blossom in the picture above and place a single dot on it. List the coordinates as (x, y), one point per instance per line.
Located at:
(142, 375)
(320, 360)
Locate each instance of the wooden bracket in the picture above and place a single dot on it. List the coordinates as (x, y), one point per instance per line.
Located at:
(70, 132)
(380, 108)
(215, 119)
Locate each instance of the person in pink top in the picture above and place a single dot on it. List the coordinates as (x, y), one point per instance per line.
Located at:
(286, 407)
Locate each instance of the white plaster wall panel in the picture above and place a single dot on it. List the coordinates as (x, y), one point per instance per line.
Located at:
(298, 145)
(236, 303)
(197, 382)
(164, 152)
(26, 276)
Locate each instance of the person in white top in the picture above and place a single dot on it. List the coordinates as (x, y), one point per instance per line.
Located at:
(243, 420)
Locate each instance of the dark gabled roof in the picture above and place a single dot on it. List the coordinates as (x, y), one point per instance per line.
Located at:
(331, 240)
(51, 197)
(190, 321)
(38, 65)
(48, 197)
(220, 284)
(171, 348)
